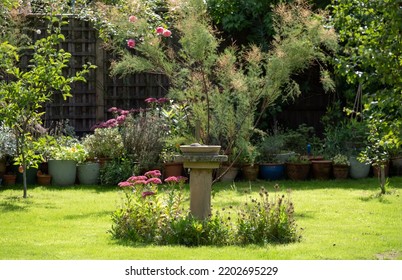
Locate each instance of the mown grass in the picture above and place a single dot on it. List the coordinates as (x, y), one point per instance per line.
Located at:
(340, 220)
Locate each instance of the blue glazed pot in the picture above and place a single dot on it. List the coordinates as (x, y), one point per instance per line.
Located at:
(272, 171)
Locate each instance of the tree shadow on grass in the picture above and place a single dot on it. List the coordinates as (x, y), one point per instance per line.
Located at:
(89, 215)
(14, 203)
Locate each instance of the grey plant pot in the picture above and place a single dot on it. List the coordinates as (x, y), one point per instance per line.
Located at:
(88, 173)
(63, 172)
(357, 169)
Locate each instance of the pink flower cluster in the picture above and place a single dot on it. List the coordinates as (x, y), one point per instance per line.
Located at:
(131, 43)
(150, 178)
(120, 118)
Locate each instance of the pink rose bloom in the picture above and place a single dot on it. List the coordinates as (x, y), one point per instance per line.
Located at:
(124, 184)
(132, 18)
(145, 194)
(154, 180)
(131, 43)
(166, 33)
(159, 30)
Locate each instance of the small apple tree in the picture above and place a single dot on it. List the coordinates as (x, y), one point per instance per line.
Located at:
(23, 92)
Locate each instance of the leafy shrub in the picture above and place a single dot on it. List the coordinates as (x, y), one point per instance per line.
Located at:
(116, 170)
(104, 143)
(264, 220)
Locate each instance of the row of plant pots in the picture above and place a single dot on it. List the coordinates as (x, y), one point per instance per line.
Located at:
(60, 173)
(314, 169)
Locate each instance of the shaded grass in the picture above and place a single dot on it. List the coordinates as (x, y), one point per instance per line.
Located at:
(340, 220)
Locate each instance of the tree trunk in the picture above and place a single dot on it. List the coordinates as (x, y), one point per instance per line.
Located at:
(382, 179)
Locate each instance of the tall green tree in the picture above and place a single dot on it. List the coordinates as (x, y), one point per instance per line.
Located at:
(370, 34)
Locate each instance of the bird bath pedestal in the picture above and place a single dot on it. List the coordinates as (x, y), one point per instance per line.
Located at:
(201, 160)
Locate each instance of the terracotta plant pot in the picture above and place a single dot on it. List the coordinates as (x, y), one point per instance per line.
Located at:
(43, 179)
(297, 171)
(230, 175)
(9, 179)
(172, 169)
(340, 171)
(321, 169)
(250, 172)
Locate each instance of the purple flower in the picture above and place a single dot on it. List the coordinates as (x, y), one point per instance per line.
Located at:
(154, 181)
(124, 184)
(148, 193)
(124, 112)
(163, 100)
(151, 100)
(111, 123)
(112, 110)
(121, 119)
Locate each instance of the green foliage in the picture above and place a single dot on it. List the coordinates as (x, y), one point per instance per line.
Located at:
(143, 135)
(369, 32)
(340, 159)
(104, 143)
(116, 170)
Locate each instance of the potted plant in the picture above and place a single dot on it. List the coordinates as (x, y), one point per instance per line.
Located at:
(248, 162)
(396, 162)
(103, 145)
(340, 166)
(298, 167)
(271, 167)
(64, 158)
(7, 147)
(43, 179)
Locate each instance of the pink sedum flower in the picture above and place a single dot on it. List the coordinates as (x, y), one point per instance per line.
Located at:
(154, 180)
(166, 33)
(153, 173)
(140, 182)
(159, 30)
(131, 43)
(148, 193)
(124, 112)
(132, 19)
(137, 178)
(124, 184)
(171, 179)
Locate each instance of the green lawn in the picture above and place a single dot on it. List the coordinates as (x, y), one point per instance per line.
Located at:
(341, 220)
